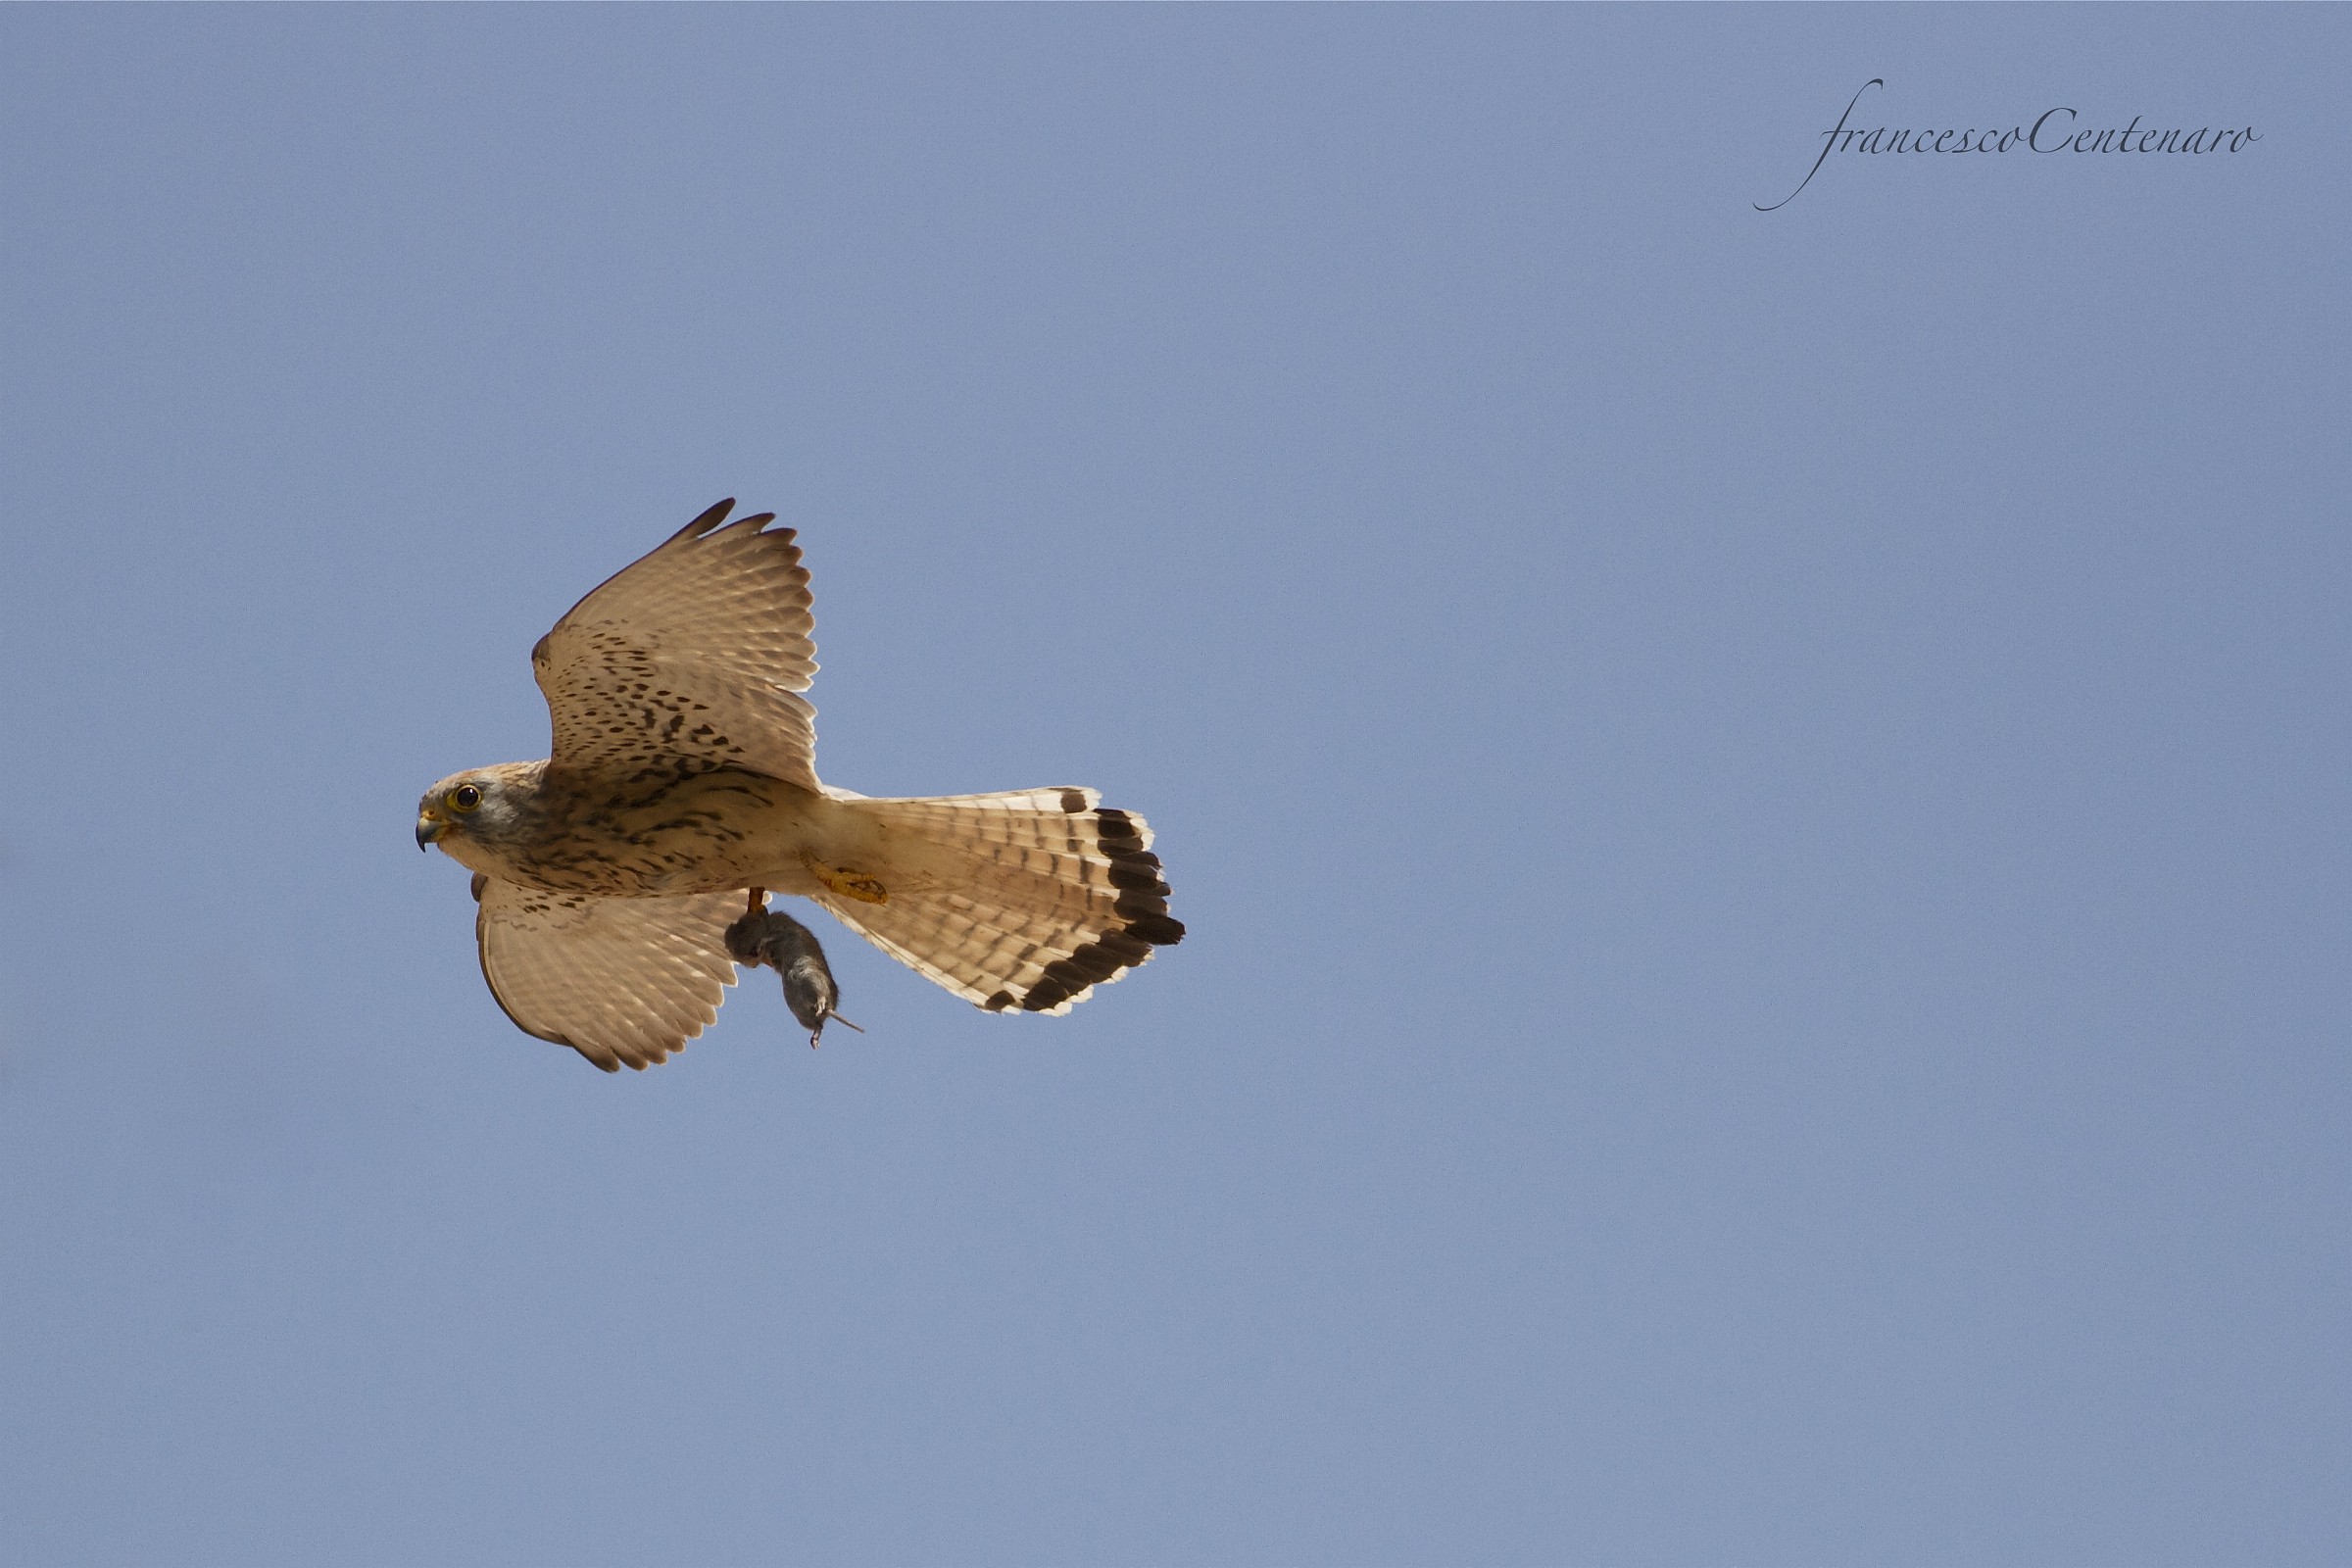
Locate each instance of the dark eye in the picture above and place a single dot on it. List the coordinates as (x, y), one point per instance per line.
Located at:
(464, 798)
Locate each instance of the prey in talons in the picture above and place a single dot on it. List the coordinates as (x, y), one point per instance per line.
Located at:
(784, 945)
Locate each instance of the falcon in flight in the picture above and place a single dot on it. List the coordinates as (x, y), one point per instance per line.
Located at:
(681, 785)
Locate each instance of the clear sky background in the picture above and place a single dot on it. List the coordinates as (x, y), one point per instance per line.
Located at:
(1759, 797)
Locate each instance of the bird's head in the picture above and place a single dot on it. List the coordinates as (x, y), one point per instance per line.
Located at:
(479, 814)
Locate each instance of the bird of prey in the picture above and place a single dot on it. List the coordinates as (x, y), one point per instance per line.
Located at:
(681, 784)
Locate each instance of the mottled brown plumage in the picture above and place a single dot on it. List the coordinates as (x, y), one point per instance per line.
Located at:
(682, 771)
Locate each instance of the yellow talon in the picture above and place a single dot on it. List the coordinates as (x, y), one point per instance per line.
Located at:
(849, 884)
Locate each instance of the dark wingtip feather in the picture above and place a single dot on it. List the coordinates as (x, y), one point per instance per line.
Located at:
(706, 521)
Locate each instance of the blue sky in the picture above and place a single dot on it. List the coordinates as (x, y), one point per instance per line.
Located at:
(1759, 797)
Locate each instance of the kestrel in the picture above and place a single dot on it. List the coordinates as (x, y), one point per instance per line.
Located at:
(682, 783)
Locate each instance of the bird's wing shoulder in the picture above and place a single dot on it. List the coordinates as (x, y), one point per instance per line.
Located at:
(621, 981)
(698, 652)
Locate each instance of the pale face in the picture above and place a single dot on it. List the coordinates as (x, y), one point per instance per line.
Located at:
(473, 815)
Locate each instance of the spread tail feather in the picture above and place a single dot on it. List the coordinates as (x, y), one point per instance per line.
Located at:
(1023, 901)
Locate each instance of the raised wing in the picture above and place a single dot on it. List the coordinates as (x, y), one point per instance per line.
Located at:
(617, 980)
(695, 654)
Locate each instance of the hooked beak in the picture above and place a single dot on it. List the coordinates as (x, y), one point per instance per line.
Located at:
(428, 831)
